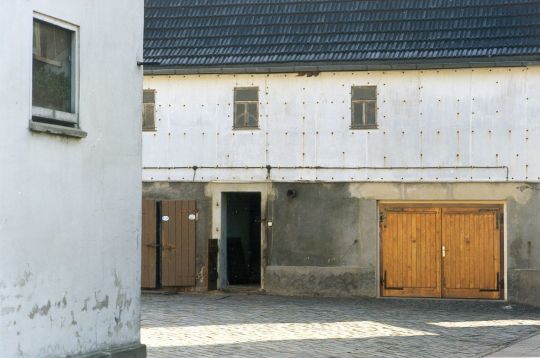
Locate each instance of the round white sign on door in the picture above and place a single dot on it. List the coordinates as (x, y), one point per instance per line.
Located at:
(192, 217)
(165, 218)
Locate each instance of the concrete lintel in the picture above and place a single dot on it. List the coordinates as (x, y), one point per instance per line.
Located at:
(56, 129)
(130, 351)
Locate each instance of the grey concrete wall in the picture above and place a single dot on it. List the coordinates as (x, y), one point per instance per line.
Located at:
(325, 240)
(70, 209)
(525, 286)
(189, 191)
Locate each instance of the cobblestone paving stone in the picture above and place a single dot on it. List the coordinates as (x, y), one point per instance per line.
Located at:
(240, 325)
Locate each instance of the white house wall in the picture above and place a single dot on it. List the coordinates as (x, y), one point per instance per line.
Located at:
(434, 125)
(70, 208)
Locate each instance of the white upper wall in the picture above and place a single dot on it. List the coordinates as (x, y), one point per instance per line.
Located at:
(427, 119)
(70, 208)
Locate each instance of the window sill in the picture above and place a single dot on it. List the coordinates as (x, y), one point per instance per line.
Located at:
(364, 127)
(246, 128)
(56, 129)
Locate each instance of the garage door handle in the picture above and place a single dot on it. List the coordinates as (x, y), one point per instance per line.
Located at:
(443, 251)
(151, 245)
(169, 247)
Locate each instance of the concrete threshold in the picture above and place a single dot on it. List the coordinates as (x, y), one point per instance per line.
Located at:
(528, 347)
(508, 303)
(244, 289)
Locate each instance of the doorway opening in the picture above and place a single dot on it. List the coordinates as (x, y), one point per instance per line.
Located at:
(242, 234)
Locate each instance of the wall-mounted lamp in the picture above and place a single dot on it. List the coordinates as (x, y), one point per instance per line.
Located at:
(291, 193)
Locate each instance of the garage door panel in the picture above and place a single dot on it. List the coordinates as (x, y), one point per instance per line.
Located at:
(411, 262)
(472, 260)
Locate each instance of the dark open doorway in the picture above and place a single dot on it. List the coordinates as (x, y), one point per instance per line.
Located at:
(243, 232)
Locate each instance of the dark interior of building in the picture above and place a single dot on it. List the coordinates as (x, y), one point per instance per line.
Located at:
(244, 238)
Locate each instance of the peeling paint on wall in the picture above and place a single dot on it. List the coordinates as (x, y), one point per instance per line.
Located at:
(42, 311)
(101, 304)
(24, 279)
(85, 307)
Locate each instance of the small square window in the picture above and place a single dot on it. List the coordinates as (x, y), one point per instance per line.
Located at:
(364, 107)
(149, 110)
(246, 107)
(54, 72)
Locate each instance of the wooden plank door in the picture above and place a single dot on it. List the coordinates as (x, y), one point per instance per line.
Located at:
(472, 239)
(411, 256)
(178, 243)
(148, 244)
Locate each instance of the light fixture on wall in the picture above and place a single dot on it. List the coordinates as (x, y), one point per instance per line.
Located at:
(291, 194)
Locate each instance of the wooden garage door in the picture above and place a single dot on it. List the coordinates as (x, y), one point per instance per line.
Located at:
(148, 244)
(471, 239)
(178, 243)
(446, 251)
(411, 252)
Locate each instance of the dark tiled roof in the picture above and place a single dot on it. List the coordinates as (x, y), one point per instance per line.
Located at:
(213, 33)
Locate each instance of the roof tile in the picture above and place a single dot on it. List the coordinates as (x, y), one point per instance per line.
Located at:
(199, 33)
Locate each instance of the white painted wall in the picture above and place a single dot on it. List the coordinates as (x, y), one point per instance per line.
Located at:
(69, 208)
(430, 118)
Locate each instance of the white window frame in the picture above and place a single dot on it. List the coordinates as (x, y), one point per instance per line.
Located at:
(52, 114)
(363, 102)
(246, 127)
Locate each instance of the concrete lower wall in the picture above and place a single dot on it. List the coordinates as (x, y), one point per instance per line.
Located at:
(320, 281)
(131, 351)
(525, 286)
(324, 238)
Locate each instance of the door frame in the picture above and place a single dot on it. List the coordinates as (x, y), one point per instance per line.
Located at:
(445, 204)
(217, 191)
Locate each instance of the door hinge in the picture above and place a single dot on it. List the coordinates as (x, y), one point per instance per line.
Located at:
(382, 218)
(500, 220)
(500, 284)
(383, 283)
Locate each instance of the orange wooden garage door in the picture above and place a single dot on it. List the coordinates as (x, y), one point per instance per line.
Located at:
(441, 251)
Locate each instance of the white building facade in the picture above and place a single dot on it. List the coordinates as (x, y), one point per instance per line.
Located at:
(432, 125)
(70, 178)
(450, 136)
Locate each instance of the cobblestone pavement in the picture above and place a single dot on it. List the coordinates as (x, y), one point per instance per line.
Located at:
(240, 325)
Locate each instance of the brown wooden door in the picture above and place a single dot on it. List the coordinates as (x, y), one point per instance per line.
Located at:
(178, 243)
(148, 244)
(411, 252)
(450, 251)
(471, 239)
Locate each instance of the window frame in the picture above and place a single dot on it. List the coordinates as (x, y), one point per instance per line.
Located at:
(354, 125)
(154, 128)
(245, 102)
(57, 117)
